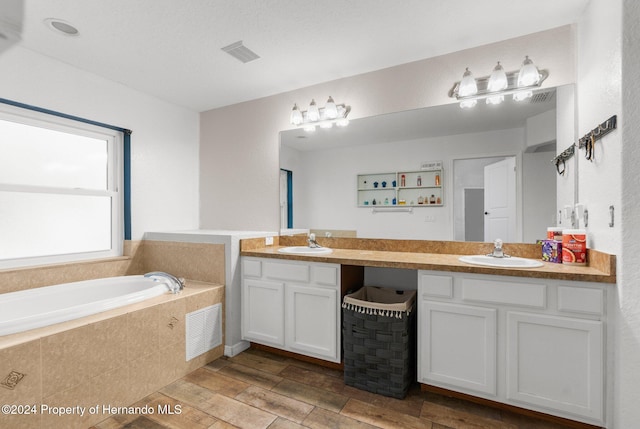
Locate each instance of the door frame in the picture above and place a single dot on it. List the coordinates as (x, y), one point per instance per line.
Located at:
(452, 194)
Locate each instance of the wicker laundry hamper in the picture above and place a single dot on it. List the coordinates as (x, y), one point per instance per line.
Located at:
(378, 331)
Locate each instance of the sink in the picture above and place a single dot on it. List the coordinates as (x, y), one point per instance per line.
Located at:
(305, 250)
(490, 261)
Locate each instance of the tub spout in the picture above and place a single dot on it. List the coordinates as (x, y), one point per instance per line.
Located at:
(176, 284)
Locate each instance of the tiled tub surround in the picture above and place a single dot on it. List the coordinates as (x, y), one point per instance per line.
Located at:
(111, 358)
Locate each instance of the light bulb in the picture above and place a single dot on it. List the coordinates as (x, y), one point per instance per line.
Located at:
(326, 124)
(342, 122)
(330, 109)
(468, 104)
(529, 74)
(495, 99)
(467, 85)
(296, 115)
(313, 114)
(522, 95)
(498, 79)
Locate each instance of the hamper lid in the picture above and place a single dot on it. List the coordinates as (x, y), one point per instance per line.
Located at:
(380, 301)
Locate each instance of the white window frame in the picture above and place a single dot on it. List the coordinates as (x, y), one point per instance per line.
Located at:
(115, 181)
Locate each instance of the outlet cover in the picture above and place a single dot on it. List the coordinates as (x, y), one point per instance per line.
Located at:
(268, 241)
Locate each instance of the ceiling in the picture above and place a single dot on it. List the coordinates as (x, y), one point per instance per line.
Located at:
(171, 49)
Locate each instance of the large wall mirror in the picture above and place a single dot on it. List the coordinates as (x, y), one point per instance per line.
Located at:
(320, 170)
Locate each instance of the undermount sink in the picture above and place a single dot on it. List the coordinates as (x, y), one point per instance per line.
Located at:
(305, 250)
(491, 261)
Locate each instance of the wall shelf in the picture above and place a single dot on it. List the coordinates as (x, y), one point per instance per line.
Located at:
(418, 188)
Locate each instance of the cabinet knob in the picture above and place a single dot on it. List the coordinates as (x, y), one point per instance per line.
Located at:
(486, 213)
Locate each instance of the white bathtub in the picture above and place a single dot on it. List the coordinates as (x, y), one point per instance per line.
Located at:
(35, 308)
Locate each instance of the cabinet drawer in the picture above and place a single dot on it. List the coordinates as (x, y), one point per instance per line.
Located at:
(287, 271)
(325, 274)
(436, 286)
(504, 292)
(251, 268)
(580, 300)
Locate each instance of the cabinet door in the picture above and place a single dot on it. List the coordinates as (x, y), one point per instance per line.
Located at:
(457, 346)
(263, 312)
(556, 363)
(311, 320)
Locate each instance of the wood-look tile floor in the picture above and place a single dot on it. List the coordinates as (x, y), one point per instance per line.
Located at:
(257, 389)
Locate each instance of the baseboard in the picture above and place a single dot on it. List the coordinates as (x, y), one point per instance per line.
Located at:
(236, 349)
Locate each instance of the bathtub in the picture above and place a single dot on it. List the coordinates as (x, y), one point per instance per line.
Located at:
(35, 308)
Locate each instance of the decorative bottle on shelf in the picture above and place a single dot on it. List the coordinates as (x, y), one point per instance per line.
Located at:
(419, 181)
(432, 200)
(373, 202)
(437, 180)
(402, 180)
(438, 200)
(420, 200)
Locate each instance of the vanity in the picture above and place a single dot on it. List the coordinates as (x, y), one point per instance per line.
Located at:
(530, 338)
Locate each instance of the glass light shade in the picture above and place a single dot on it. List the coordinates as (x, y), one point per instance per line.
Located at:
(330, 109)
(313, 114)
(522, 95)
(495, 99)
(468, 104)
(326, 124)
(309, 128)
(529, 74)
(296, 115)
(468, 85)
(498, 79)
(342, 122)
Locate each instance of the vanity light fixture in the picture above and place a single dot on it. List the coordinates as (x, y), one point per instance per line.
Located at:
(500, 83)
(324, 117)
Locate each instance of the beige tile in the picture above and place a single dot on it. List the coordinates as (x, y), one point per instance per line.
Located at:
(196, 261)
(70, 357)
(143, 332)
(108, 390)
(283, 406)
(146, 375)
(171, 322)
(382, 417)
(205, 298)
(311, 395)
(324, 419)
(21, 374)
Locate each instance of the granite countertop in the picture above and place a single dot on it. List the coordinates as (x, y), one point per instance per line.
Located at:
(438, 256)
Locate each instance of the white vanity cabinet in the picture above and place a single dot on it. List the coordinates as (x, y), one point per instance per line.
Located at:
(292, 305)
(532, 343)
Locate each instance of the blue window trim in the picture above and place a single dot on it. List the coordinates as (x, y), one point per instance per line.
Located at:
(126, 153)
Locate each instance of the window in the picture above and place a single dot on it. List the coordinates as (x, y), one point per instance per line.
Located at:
(61, 189)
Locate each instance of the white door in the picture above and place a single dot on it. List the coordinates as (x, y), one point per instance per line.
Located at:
(457, 346)
(312, 321)
(556, 363)
(500, 201)
(263, 312)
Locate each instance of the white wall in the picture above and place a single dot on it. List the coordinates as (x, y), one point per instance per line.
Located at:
(239, 179)
(164, 149)
(325, 183)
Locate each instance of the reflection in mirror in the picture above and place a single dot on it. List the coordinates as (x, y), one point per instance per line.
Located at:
(325, 166)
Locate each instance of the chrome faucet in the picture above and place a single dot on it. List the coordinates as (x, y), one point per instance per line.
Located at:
(498, 251)
(312, 241)
(175, 284)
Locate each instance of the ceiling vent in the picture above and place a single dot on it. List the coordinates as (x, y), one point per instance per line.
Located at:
(543, 96)
(241, 52)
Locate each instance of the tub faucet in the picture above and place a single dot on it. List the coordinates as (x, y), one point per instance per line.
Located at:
(498, 251)
(176, 284)
(312, 241)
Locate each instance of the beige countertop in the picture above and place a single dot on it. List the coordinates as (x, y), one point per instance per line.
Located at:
(365, 253)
